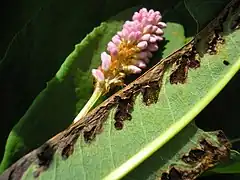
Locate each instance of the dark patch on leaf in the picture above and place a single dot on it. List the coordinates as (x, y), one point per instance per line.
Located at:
(180, 71)
(89, 135)
(223, 139)
(118, 125)
(151, 93)
(226, 62)
(123, 112)
(194, 64)
(44, 158)
(45, 155)
(173, 174)
(69, 148)
(181, 66)
(194, 156)
(201, 159)
(215, 39)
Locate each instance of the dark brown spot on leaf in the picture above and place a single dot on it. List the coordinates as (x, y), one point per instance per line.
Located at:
(194, 64)
(194, 156)
(215, 39)
(226, 63)
(174, 174)
(123, 111)
(118, 125)
(69, 147)
(180, 71)
(223, 139)
(44, 158)
(89, 135)
(151, 93)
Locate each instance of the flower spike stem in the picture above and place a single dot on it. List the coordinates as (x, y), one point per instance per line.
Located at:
(98, 91)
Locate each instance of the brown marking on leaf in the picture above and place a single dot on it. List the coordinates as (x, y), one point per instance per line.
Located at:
(151, 93)
(201, 159)
(44, 158)
(209, 40)
(180, 67)
(123, 111)
(180, 71)
(226, 62)
(214, 42)
(194, 156)
(69, 147)
(223, 139)
(92, 124)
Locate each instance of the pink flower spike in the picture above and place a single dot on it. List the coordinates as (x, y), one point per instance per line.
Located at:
(162, 25)
(143, 10)
(112, 48)
(145, 37)
(158, 18)
(153, 47)
(116, 40)
(149, 54)
(159, 31)
(132, 36)
(151, 11)
(99, 76)
(134, 69)
(140, 64)
(153, 39)
(142, 55)
(146, 60)
(106, 61)
(111, 45)
(142, 45)
(119, 33)
(147, 28)
(154, 28)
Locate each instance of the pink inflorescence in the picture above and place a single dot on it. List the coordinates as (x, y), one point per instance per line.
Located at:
(130, 49)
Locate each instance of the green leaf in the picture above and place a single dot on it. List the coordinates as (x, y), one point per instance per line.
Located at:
(72, 86)
(186, 146)
(151, 127)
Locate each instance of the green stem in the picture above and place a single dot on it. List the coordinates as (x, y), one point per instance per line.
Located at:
(95, 96)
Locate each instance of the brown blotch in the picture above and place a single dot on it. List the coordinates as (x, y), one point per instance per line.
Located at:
(194, 156)
(69, 147)
(173, 174)
(180, 71)
(200, 159)
(44, 158)
(214, 40)
(223, 139)
(151, 93)
(226, 63)
(180, 67)
(89, 135)
(123, 111)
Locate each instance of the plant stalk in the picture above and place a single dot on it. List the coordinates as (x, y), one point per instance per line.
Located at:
(98, 91)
